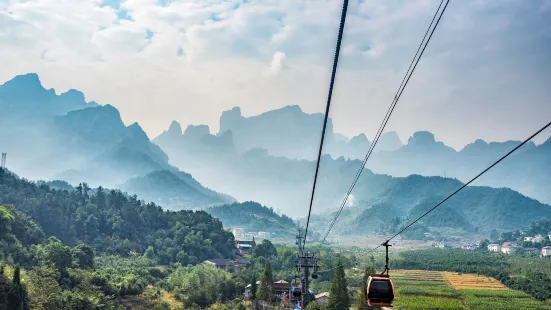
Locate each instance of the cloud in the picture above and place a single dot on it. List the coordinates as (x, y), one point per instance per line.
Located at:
(189, 60)
(277, 62)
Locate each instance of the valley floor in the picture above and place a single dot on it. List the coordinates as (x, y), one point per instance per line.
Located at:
(421, 289)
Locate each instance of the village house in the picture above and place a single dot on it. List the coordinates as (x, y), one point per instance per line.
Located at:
(549, 235)
(509, 249)
(538, 238)
(528, 239)
(530, 250)
(494, 247)
(282, 287)
(238, 233)
(263, 235)
(468, 246)
(244, 248)
(546, 251)
(220, 263)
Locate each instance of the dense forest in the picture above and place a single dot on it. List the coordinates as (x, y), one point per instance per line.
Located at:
(113, 223)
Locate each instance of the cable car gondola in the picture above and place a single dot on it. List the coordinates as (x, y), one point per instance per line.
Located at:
(380, 290)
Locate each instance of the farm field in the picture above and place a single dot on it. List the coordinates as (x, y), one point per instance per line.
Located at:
(421, 289)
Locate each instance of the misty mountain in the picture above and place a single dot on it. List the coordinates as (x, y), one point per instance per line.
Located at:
(476, 209)
(292, 133)
(174, 190)
(63, 137)
(285, 184)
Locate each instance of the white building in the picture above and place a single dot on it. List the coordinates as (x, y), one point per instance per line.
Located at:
(238, 233)
(538, 238)
(263, 235)
(468, 246)
(546, 251)
(494, 247)
(528, 239)
(549, 235)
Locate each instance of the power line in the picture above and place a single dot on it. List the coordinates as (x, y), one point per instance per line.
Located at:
(329, 95)
(472, 180)
(397, 96)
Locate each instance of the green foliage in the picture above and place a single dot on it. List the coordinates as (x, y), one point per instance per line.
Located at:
(315, 306)
(17, 295)
(254, 287)
(114, 223)
(201, 285)
(254, 217)
(58, 254)
(266, 291)
(264, 249)
(361, 302)
(338, 296)
(44, 290)
(83, 256)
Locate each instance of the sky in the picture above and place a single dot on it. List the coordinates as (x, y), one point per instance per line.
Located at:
(485, 74)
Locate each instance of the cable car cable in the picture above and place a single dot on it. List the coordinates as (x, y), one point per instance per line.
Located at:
(329, 95)
(399, 92)
(472, 180)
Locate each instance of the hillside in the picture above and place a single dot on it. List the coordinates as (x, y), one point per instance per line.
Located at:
(113, 223)
(173, 190)
(252, 216)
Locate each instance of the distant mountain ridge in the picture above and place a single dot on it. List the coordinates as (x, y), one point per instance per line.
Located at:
(64, 137)
(292, 133)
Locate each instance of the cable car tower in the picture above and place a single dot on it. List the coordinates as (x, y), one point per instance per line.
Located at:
(304, 262)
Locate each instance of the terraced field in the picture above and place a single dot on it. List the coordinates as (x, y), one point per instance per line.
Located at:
(421, 289)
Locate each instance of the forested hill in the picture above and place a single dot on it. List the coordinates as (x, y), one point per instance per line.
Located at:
(252, 216)
(113, 223)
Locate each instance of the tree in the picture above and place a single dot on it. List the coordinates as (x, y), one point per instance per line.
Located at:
(44, 291)
(59, 254)
(253, 287)
(265, 249)
(484, 244)
(361, 303)
(150, 253)
(266, 291)
(338, 296)
(83, 256)
(315, 306)
(17, 297)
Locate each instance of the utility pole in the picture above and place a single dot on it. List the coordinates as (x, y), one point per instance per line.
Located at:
(3, 163)
(305, 261)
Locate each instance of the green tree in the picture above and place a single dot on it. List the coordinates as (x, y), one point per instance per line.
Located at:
(57, 253)
(361, 303)
(266, 291)
(17, 297)
(83, 256)
(44, 291)
(264, 249)
(338, 296)
(315, 306)
(149, 253)
(254, 287)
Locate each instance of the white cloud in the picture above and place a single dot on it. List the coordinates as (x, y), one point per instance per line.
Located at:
(487, 62)
(277, 62)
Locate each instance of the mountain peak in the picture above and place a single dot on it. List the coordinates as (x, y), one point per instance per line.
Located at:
(136, 131)
(421, 138)
(175, 127)
(198, 131)
(73, 95)
(389, 141)
(24, 82)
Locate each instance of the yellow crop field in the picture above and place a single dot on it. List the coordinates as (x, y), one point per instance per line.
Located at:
(473, 281)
